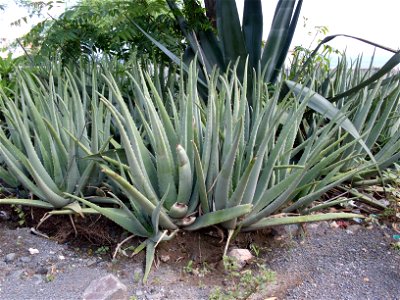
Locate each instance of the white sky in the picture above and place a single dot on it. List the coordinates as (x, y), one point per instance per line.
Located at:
(378, 21)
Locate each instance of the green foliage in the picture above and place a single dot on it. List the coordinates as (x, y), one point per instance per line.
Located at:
(7, 73)
(95, 28)
(36, 142)
(171, 161)
(242, 284)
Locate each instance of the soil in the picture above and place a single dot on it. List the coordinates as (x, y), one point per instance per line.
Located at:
(318, 261)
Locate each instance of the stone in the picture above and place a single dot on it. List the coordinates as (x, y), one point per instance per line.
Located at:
(241, 256)
(10, 257)
(41, 270)
(286, 230)
(107, 287)
(91, 262)
(25, 259)
(4, 216)
(353, 228)
(37, 279)
(165, 258)
(317, 228)
(33, 251)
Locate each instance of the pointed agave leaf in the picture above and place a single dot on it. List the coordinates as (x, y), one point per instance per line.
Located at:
(279, 37)
(252, 30)
(164, 49)
(230, 33)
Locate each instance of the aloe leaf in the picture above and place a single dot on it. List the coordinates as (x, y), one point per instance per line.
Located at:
(118, 216)
(275, 221)
(385, 69)
(150, 251)
(219, 216)
(326, 108)
(309, 198)
(155, 216)
(225, 176)
(27, 202)
(166, 120)
(201, 181)
(139, 198)
(185, 176)
(131, 143)
(12, 163)
(8, 178)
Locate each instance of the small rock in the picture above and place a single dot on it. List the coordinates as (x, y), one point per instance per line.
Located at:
(91, 262)
(4, 216)
(61, 257)
(139, 293)
(242, 256)
(106, 288)
(10, 257)
(165, 258)
(37, 279)
(15, 275)
(25, 259)
(334, 225)
(354, 228)
(286, 230)
(33, 251)
(41, 270)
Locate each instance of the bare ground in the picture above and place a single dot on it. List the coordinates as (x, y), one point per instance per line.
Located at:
(349, 262)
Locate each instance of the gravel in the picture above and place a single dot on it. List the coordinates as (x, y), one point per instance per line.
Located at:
(340, 264)
(352, 263)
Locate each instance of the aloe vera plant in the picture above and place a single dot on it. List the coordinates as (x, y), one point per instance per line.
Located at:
(374, 110)
(186, 165)
(42, 122)
(177, 163)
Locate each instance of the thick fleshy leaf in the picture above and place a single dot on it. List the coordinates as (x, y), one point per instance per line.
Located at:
(219, 216)
(326, 108)
(252, 30)
(275, 221)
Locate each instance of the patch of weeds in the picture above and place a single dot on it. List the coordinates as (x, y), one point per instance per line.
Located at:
(255, 249)
(198, 271)
(137, 276)
(20, 213)
(242, 284)
(50, 277)
(189, 267)
(102, 250)
(396, 246)
(388, 212)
